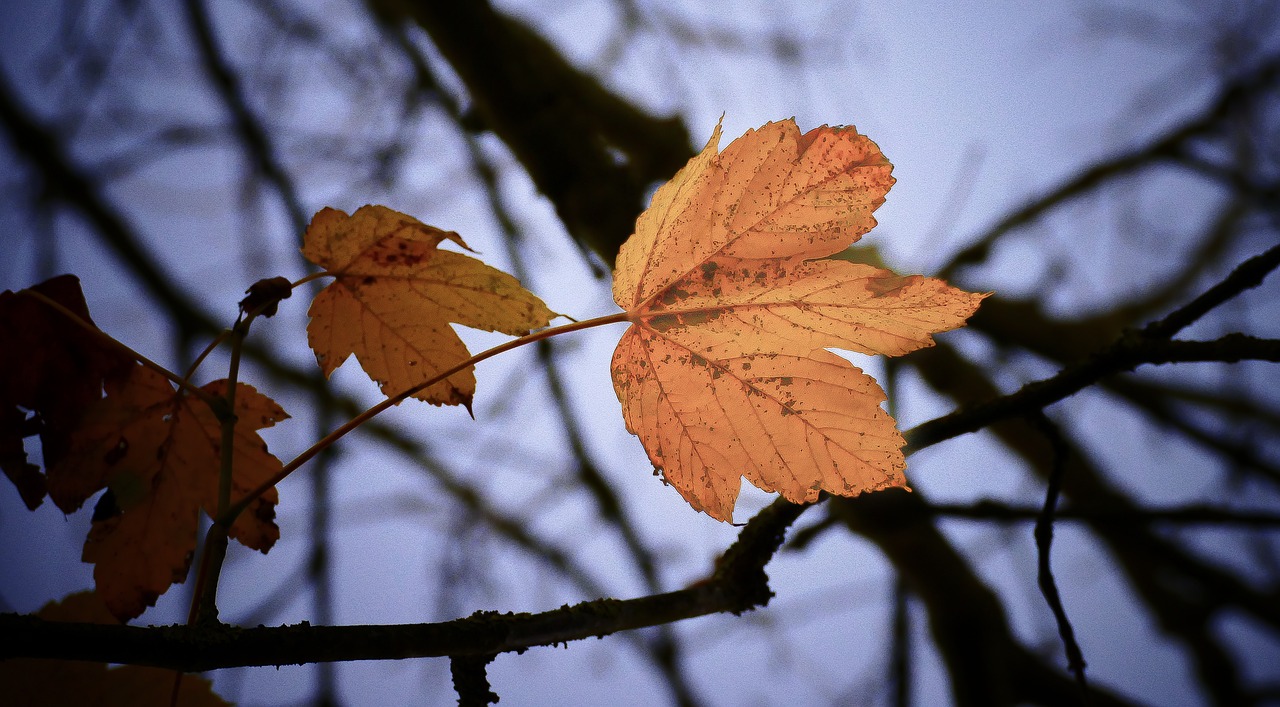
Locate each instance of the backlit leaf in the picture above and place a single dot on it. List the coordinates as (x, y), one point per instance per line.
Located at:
(395, 294)
(734, 299)
(157, 451)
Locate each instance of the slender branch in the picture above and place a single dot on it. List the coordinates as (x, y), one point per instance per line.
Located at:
(309, 278)
(1044, 543)
(1126, 354)
(204, 353)
(216, 544)
(1149, 345)
(204, 608)
(738, 584)
(228, 418)
(229, 517)
(1247, 275)
(989, 510)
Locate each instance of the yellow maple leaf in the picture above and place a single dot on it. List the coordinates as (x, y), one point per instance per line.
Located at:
(733, 300)
(395, 294)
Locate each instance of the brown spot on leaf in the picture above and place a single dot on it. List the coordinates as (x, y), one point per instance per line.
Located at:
(890, 284)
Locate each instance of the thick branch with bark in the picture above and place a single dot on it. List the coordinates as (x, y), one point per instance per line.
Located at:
(739, 584)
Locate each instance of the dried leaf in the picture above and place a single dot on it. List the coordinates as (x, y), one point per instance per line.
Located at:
(265, 294)
(53, 368)
(157, 451)
(394, 296)
(734, 299)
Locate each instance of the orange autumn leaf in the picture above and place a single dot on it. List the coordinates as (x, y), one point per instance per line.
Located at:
(39, 681)
(157, 451)
(734, 300)
(394, 296)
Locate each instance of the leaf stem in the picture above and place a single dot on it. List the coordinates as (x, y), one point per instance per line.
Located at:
(228, 418)
(178, 380)
(228, 517)
(217, 341)
(311, 277)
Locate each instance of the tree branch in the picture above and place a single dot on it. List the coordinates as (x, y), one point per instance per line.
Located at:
(988, 510)
(1125, 355)
(1169, 146)
(1044, 543)
(738, 584)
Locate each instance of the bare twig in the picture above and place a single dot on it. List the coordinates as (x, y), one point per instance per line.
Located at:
(1044, 543)
(1150, 345)
(1170, 146)
(252, 134)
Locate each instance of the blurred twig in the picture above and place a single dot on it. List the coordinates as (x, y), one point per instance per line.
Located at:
(64, 182)
(987, 665)
(592, 153)
(259, 148)
(1172, 146)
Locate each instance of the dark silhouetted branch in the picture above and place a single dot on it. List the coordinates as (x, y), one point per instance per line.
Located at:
(592, 153)
(1044, 543)
(988, 510)
(1146, 346)
(738, 584)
